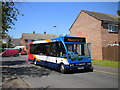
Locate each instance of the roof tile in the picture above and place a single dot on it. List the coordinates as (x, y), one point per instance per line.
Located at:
(102, 16)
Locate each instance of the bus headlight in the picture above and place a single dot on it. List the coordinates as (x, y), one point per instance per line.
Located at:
(89, 63)
(71, 64)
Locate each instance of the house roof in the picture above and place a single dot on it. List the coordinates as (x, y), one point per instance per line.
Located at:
(37, 36)
(100, 16)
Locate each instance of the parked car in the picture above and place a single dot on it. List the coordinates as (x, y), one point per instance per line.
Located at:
(10, 52)
(23, 52)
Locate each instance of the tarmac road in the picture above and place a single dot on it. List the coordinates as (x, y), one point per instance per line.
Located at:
(16, 69)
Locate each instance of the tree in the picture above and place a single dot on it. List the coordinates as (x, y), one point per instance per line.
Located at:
(118, 12)
(9, 15)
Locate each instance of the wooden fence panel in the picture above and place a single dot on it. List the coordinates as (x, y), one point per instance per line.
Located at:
(111, 53)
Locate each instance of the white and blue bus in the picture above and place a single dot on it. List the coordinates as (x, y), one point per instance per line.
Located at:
(65, 53)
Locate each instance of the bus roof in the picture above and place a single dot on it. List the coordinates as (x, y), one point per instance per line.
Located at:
(62, 38)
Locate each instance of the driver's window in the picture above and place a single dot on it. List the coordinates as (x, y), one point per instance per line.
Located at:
(70, 47)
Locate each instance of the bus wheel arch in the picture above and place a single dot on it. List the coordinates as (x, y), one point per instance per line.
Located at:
(62, 68)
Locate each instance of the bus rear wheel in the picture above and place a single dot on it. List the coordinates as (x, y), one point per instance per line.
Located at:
(62, 68)
(35, 61)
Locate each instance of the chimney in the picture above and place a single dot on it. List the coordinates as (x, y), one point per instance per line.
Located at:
(33, 32)
(44, 32)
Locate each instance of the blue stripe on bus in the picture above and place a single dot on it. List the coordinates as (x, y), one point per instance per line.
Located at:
(49, 64)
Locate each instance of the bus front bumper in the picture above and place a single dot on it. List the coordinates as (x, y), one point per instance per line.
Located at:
(86, 67)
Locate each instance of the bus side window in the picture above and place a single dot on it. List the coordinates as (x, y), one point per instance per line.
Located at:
(58, 49)
(42, 49)
(53, 49)
(47, 50)
(37, 49)
(62, 51)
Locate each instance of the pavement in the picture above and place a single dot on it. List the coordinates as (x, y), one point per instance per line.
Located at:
(108, 70)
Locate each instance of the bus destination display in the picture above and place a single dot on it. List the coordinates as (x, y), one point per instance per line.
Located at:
(70, 39)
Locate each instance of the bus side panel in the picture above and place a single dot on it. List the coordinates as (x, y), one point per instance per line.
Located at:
(52, 62)
(47, 61)
(62, 60)
(52, 65)
(41, 59)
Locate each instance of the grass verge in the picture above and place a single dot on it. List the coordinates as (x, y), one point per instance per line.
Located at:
(106, 63)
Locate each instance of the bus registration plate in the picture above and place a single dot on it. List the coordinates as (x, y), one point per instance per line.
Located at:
(81, 68)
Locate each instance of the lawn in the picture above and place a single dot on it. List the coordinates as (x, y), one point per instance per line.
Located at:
(106, 63)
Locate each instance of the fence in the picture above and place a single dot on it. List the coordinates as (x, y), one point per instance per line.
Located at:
(111, 53)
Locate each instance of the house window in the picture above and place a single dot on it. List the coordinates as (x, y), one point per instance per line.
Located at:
(112, 28)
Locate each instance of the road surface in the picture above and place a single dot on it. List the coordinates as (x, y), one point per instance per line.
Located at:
(18, 69)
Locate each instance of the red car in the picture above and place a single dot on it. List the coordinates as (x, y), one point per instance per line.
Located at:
(10, 52)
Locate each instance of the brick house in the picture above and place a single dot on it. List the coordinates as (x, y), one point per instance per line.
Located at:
(100, 29)
(16, 42)
(29, 37)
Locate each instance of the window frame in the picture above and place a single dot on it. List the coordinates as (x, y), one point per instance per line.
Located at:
(111, 27)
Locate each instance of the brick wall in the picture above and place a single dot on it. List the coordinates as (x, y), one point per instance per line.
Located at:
(89, 27)
(108, 37)
(23, 43)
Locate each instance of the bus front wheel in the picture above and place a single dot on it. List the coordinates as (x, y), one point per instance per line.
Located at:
(34, 62)
(62, 68)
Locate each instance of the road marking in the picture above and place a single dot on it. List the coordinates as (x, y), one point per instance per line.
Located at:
(107, 72)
